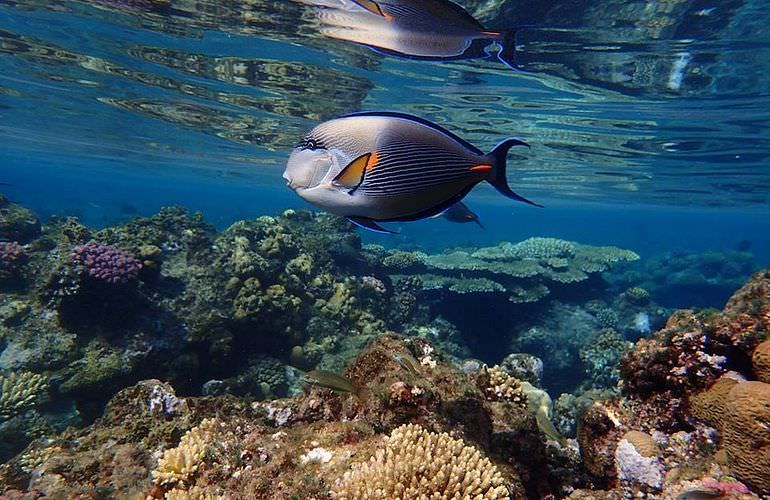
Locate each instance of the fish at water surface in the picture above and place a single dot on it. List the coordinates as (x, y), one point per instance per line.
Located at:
(415, 29)
(380, 167)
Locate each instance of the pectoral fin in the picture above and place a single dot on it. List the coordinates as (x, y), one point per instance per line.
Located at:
(369, 224)
(373, 7)
(353, 175)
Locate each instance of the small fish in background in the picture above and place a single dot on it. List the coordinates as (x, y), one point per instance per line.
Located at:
(438, 30)
(461, 214)
(333, 381)
(407, 362)
(383, 167)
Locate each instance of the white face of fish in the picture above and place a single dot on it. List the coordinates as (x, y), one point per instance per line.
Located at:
(307, 168)
(309, 172)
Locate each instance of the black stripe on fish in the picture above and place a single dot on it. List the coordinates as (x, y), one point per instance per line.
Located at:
(416, 119)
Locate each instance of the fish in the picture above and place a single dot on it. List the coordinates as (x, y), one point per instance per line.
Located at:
(540, 403)
(331, 380)
(460, 213)
(438, 30)
(381, 166)
(407, 362)
(700, 494)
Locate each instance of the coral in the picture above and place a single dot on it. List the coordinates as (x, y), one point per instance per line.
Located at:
(178, 465)
(601, 355)
(746, 434)
(523, 366)
(635, 467)
(417, 463)
(523, 271)
(637, 295)
(502, 386)
(20, 391)
(711, 405)
(17, 223)
(106, 263)
(760, 362)
(12, 257)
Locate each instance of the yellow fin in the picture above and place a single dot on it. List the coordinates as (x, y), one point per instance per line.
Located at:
(353, 174)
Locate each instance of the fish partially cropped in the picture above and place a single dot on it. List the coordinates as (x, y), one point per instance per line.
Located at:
(460, 213)
(381, 166)
(416, 29)
(540, 403)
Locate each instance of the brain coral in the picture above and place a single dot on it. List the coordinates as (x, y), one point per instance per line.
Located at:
(747, 434)
(420, 464)
(761, 362)
(710, 405)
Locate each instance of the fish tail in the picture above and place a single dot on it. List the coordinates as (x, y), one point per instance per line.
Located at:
(499, 155)
(507, 54)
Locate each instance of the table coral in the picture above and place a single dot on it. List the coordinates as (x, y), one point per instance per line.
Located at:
(416, 463)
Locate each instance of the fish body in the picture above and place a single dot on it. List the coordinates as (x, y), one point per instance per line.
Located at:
(416, 29)
(382, 166)
(701, 494)
(332, 381)
(461, 214)
(540, 403)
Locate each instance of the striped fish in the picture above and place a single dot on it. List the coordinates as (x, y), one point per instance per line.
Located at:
(416, 29)
(381, 167)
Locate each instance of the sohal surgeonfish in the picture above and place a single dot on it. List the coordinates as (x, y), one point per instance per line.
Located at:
(461, 214)
(416, 29)
(381, 166)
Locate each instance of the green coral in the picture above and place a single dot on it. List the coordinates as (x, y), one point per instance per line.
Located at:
(20, 391)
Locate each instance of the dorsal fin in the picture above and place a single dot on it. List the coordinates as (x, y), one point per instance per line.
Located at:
(353, 175)
(421, 121)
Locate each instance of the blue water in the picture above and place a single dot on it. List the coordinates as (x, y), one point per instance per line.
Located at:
(648, 125)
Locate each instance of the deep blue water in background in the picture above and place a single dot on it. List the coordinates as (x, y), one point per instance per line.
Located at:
(650, 133)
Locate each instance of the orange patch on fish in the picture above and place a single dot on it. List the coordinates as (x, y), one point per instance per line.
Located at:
(482, 168)
(371, 162)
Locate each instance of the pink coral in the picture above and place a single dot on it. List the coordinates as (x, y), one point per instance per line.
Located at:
(107, 263)
(725, 488)
(11, 254)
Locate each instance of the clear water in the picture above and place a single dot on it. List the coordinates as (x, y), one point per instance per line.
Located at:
(648, 121)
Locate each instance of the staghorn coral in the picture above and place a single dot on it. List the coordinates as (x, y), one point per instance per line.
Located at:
(760, 362)
(20, 391)
(417, 463)
(178, 465)
(502, 386)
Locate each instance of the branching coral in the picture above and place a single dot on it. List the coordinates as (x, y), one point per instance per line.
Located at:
(178, 465)
(19, 391)
(417, 463)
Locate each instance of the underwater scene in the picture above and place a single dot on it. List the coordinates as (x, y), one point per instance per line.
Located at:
(384, 249)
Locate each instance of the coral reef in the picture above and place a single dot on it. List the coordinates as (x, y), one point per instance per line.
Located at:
(17, 223)
(416, 463)
(106, 263)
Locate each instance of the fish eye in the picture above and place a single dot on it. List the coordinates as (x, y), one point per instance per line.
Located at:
(311, 144)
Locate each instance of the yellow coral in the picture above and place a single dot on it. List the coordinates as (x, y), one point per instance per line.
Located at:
(747, 435)
(19, 391)
(420, 464)
(761, 362)
(502, 386)
(178, 465)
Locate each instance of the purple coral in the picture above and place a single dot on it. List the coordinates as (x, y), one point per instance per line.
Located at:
(11, 254)
(107, 263)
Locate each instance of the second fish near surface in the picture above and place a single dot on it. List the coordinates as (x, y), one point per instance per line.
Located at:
(384, 167)
(438, 30)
